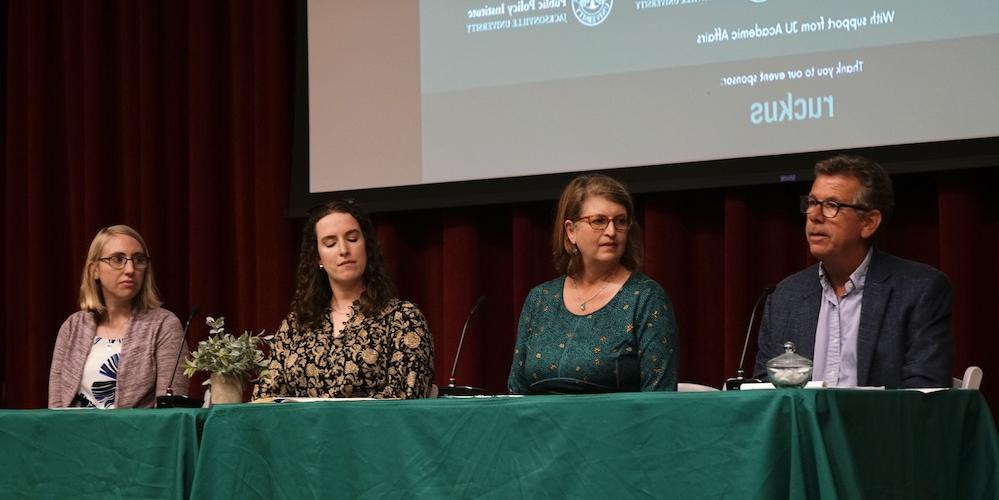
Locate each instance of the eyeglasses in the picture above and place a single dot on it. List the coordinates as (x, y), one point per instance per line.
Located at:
(599, 222)
(830, 208)
(118, 261)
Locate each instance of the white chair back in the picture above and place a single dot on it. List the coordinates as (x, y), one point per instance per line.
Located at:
(972, 379)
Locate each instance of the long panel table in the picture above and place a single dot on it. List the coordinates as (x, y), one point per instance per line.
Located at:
(752, 444)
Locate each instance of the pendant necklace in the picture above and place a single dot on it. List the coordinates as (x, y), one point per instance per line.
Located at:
(346, 315)
(582, 304)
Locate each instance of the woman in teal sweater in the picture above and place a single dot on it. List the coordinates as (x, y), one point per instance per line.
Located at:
(602, 326)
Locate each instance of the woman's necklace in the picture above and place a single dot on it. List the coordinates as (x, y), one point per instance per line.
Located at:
(333, 307)
(338, 327)
(607, 282)
(113, 331)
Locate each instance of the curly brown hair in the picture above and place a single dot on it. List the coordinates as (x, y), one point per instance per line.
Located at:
(312, 290)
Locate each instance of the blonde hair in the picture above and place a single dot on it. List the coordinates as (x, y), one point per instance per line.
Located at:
(91, 294)
(566, 257)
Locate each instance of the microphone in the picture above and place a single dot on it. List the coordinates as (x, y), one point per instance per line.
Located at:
(169, 400)
(462, 390)
(735, 383)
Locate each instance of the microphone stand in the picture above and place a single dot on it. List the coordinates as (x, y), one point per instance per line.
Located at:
(735, 383)
(462, 390)
(171, 400)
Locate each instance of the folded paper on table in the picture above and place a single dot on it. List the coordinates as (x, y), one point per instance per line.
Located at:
(814, 384)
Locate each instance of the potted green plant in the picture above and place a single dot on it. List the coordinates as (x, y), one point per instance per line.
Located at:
(231, 361)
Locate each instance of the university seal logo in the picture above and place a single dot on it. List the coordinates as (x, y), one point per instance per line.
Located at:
(592, 12)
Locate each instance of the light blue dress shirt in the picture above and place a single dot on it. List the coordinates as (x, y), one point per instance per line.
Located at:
(836, 333)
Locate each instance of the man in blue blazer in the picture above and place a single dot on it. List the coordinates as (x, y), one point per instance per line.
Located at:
(864, 317)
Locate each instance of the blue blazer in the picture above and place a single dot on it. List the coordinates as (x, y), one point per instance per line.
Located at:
(905, 332)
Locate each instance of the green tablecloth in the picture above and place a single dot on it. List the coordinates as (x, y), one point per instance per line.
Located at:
(98, 454)
(753, 444)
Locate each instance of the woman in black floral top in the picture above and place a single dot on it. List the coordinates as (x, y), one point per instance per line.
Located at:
(347, 335)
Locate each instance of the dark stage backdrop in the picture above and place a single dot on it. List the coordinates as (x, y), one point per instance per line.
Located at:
(175, 118)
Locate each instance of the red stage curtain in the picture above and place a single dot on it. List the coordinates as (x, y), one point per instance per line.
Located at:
(175, 118)
(171, 117)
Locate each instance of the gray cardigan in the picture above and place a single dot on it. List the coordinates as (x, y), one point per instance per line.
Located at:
(148, 353)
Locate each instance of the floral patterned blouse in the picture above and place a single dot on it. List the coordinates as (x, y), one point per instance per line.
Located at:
(389, 355)
(630, 344)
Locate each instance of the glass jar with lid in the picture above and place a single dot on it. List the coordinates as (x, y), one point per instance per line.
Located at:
(789, 369)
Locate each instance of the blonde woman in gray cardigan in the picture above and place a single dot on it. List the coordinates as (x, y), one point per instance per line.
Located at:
(120, 349)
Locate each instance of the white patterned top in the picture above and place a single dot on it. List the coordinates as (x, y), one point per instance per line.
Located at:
(99, 383)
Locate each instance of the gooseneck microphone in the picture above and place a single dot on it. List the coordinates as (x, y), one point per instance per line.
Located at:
(169, 400)
(462, 390)
(735, 383)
